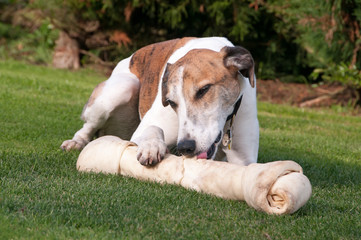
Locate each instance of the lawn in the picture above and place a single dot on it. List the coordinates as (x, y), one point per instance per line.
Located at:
(42, 196)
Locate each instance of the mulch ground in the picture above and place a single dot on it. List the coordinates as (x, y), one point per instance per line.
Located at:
(305, 95)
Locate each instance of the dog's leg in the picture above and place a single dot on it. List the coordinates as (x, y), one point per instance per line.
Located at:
(114, 99)
(245, 139)
(157, 130)
(152, 147)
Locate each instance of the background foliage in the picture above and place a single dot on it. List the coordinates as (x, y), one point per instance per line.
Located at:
(289, 39)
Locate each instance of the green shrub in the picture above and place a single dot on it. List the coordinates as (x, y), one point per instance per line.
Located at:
(35, 47)
(342, 73)
(286, 38)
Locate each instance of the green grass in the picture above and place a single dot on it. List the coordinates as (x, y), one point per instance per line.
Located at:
(42, 196)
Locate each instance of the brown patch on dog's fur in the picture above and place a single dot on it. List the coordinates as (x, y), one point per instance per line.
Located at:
(147, 64)
(165, 85)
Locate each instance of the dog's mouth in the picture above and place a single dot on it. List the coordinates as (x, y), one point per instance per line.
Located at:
(210, 152)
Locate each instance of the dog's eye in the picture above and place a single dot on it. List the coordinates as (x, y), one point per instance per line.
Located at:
(171, 103)
(200, 93)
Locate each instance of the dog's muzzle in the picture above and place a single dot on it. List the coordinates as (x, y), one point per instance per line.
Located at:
(188, 147)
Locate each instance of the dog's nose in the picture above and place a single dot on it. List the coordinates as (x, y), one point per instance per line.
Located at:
(187, 147)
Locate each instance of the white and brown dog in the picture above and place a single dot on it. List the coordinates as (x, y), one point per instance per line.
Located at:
(184, 92)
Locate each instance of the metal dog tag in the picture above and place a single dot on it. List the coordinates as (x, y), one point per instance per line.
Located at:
(227, 139)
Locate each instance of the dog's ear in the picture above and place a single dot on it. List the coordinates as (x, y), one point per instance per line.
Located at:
(241, 59)
(165, 85)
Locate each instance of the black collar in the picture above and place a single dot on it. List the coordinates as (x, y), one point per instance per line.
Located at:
(236, 107)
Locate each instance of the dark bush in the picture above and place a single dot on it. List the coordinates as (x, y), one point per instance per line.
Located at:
(289, 39)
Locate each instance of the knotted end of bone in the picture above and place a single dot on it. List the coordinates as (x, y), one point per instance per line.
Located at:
(276, 187)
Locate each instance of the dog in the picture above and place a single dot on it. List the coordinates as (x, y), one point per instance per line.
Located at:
(197, 94)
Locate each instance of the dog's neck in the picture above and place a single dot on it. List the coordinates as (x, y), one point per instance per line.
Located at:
(236, 107)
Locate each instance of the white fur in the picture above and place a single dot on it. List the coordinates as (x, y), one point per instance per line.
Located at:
(211, 43)
(245, 129)
(118, 90)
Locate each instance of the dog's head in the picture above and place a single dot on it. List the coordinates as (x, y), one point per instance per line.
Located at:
(202, 88)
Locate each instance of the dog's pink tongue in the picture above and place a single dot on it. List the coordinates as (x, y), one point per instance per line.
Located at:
(202, 155)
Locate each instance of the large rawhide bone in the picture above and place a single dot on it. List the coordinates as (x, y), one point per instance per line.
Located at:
(276, 187)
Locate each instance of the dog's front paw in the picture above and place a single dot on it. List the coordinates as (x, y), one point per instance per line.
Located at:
(151, 152)
(73, 145)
